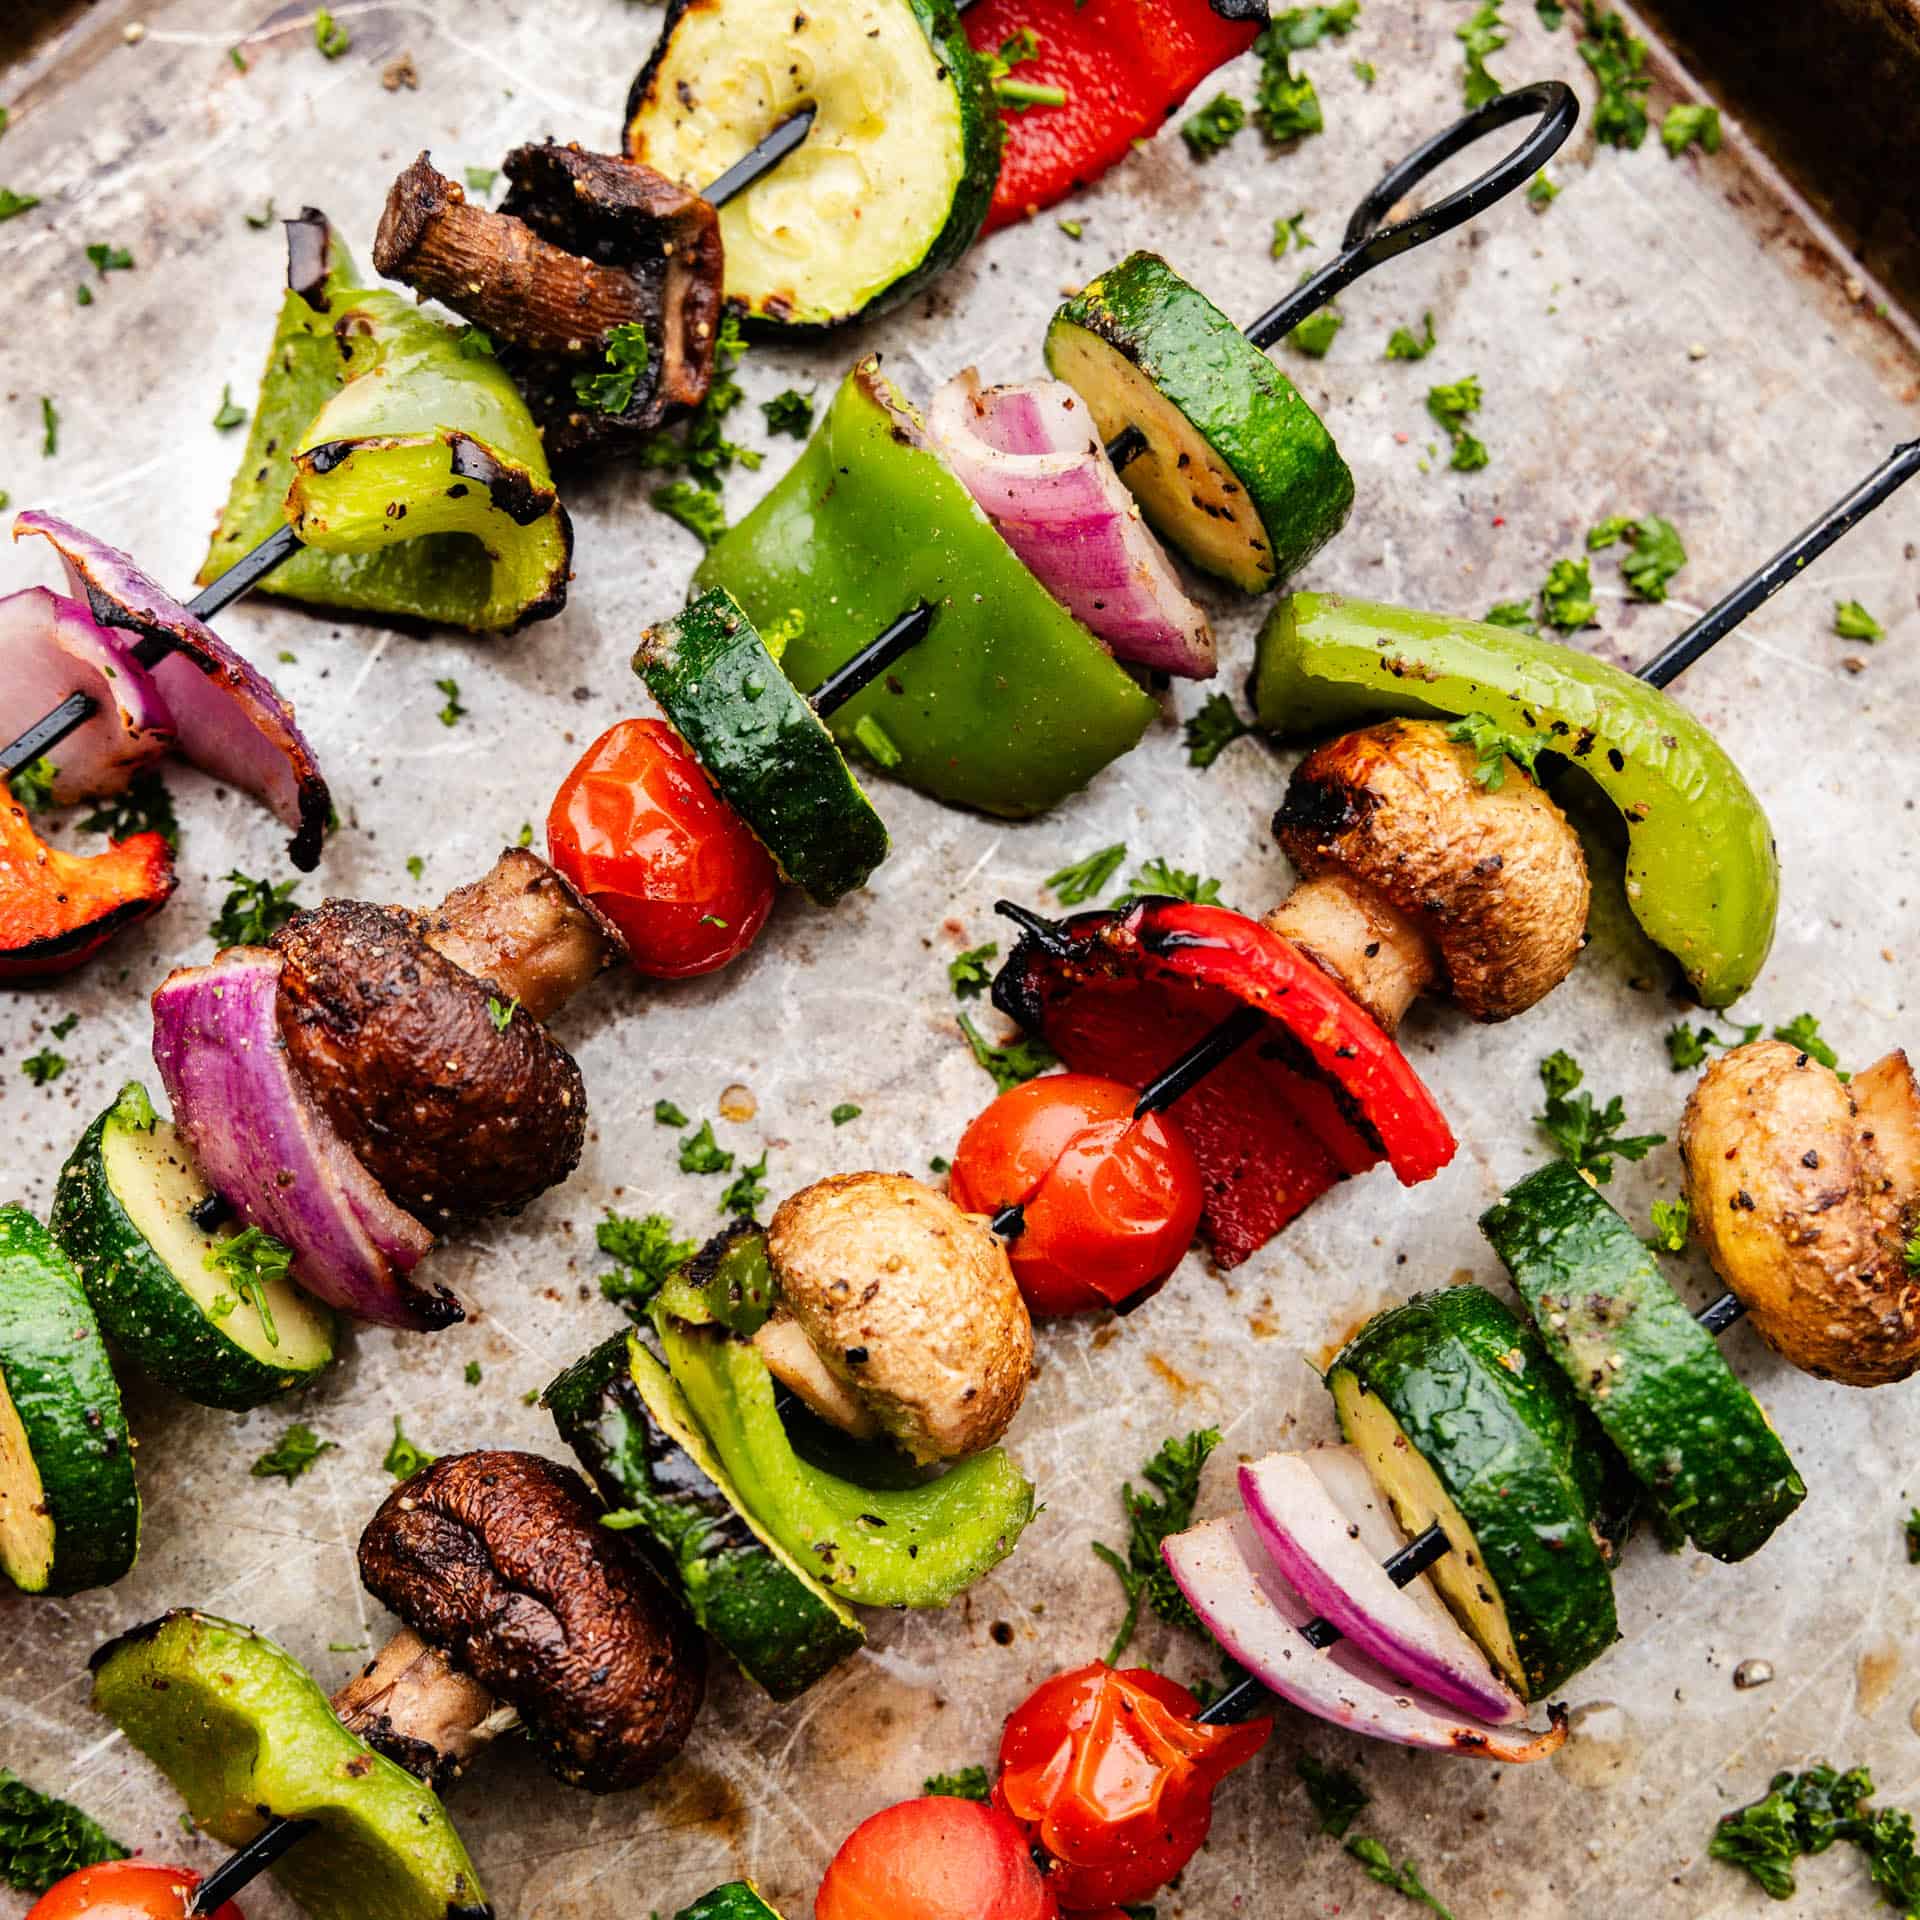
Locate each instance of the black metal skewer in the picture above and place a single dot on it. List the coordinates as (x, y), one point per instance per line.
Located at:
(1366, 244)
(240, 1869)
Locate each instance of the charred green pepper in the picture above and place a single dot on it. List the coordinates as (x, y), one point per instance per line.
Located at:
(403, 455)
(1008, 704)
(1701, 874)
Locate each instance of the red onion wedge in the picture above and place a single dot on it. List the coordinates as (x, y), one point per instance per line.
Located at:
(267, 1149)
(1031, 457)
(230, 719)
(50, 647)
(1256, 1615)
(1319, 1516)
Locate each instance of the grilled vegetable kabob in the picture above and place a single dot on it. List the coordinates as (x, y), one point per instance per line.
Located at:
(873, 1299)
(1419, 872)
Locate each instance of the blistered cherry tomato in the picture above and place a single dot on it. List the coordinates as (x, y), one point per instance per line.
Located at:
(124, 1890)
(1109, 1203)
(1111, 1774)
(638, 828)
(934, 1859)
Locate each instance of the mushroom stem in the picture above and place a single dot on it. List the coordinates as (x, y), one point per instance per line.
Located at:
(795, 1362)
(1887, 1101)
(1371, 948)
(412, 1704)
(524, 928)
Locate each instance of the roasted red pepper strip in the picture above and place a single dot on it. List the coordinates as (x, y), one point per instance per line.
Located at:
(1112, 1776)
(1126, 66)
(59, 909)
(1320, 1094)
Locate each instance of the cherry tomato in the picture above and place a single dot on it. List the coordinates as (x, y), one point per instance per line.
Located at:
(638, 828)
(1110, 1203)
(124, 1890)
(935, 1859)
(1113, 1777)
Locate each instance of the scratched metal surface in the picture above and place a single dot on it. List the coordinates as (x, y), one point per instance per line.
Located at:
(1660, 340)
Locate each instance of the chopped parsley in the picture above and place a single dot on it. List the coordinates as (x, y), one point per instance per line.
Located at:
(1551, 13)
(263, 219)
(481, 179)
(329, 36)
(1452, 405)
(790, 412)
(474, 343)
(252, 910)
(65, 1025)
(875, 741)
(1285, 105)
(32, 785)
(471, 1374)
(1566, 595)
(1588, 1138)
(501, 1012)
(106, 259)
(1803, 1031)
(1211, 731)
(1517, 614)
(844, 1112)
(453, 712)
(1672, 1220)
(1493, 747)
(1213, 127)
(1687, 1046)
(1851, 621)
(968, 974)
(1910, 1254)
(610, 389)
(42, 1839)
(1481, 35)
(1403, 1879)
(1807, 1813)
(229, 415)
(667, 1114)
(698, 509)
(1074, 885)
(940, 1164)
(1690, 126)
(1299, 28)
(1012, 1065)
(1291, 233)
(748, 1190)
(1619, 64)
(1174, 1471)
(49, 427)
(1363, 72)
(970, 1783)
(1402, 344)
(1317, 332)
(1071, 228)
(12, 204)
(1656, 555)
(647, 1252)
(145, 807)
(1338, 1799)
(1541, 192)
(415, 865)
(1913, 1537)
(251, 1260)
(83, 295)
(291, 1455)
(700, 1153)
(403, 1459)
(700, 447)
(45, 1067)
(1155, 876)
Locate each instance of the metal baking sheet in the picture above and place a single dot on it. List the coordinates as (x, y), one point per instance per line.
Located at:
(1667, 337)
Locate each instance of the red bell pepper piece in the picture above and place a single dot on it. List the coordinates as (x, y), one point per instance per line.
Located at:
(1322, 1092)
(1126, 66)
(59, 909)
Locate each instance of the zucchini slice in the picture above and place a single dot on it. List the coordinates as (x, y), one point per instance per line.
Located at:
(896, 174)
(1461, 1418)
(240, 1728)
(1239, 471)
(737, 1900)
(620, 1412)
(1654, 1378)
(874, 1546)
(765, 749)
(127, 1211)
(69, 1507)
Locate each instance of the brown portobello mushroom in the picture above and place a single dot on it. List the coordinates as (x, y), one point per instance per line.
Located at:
(498, 1561)
(583, 243)
(457, 1101)
(1415, 875)
(909, 1309)
(1805, 1192)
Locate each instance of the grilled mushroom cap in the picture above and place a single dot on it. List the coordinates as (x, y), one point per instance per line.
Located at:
(455, 1111)
(582, 243)
(499, 1560)
(1416, 872)
(1804, 1192)
(909, 1302)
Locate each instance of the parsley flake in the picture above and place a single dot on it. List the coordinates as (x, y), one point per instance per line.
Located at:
(1588, 1138)
(252, 910)
(1851, 621)
(1517, 614)
(1156, 876)
(1566, 595)
(1213, 127)
(1672, 1220)
(49, 427)
(501, 1013)
(1687, 1046)
(970, 1783)
(1481, 35)
(32, 785)
(252, 1260)
(107, 259)
(611, 389)
(790, 412)
(1493, 747)
(647, 1252)
(145, 807)
(1317, 332)
(481, 179)
(1402, 344)
(844, 1112)
(748, 1191)
(229, 416)
(1073, 885)
(1338, 1799)
(13, 204)
(403, 1459)
(968, 974)
(1174, 1474)
(42, 1839)
(667, 1114)
(1689, 125)
(1291, 232)
(1211, 731)
(329, 36)
(1619, 64)
(1452, 405)
(1012, 1065)
(701, 1153)
(1403, 1879)
(699, 509)
(45, 1067)
(291, 1455)
(1541, 192)
(1803, 1031)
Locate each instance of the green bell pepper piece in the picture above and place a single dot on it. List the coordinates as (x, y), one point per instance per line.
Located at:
(1008, 704)
(239, 1727)
(413, 472)
(1702, 877)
